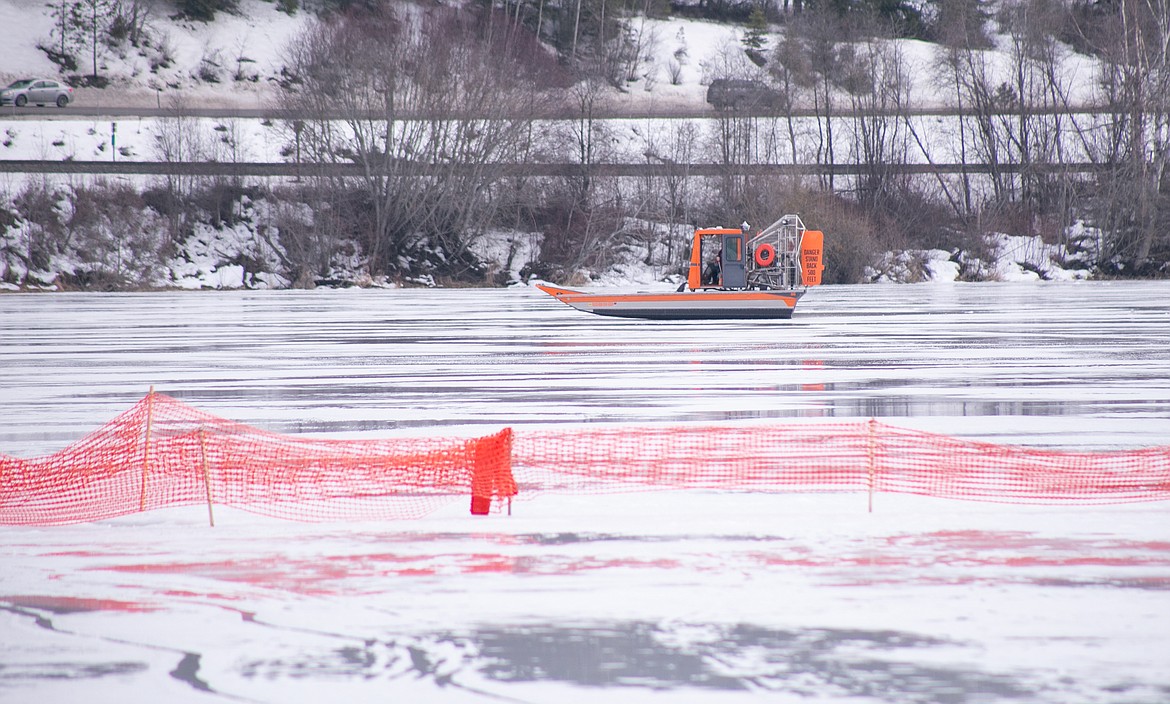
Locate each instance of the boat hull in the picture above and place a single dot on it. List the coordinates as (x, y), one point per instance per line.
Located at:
(692, 305)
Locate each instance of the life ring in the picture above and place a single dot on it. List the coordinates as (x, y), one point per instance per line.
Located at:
(765, 255)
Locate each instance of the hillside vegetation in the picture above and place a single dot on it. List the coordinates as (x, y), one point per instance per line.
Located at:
(439, 102)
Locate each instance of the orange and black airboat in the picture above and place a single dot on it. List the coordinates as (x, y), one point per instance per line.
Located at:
(733, 273)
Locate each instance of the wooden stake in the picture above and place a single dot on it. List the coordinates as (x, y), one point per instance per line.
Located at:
(206, 474)
(146, 446)
(872, 459)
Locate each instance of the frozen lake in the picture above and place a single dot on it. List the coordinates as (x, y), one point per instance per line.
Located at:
(1065, 365)
(679, 597)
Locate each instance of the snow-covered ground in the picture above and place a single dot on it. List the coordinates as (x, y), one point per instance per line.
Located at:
(654, 597)
(245, 52)
(242, 51)
(701, 597)
(668, 597)
(679, 58)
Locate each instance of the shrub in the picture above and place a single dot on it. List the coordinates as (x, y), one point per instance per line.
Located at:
(204, 10)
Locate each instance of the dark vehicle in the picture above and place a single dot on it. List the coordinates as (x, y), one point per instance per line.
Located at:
(743, 94)
(38, 91)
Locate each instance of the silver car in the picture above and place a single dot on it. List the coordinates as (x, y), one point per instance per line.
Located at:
(39, 91)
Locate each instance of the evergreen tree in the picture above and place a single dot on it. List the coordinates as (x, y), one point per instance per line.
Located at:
(757, 27)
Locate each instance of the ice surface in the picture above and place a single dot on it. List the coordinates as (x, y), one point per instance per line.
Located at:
(670, 596)
(1074, 365)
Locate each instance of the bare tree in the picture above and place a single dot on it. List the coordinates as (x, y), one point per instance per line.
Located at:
(179, 137)
(791, 69)
(81, 26)
(580, 216)
(671, 193)
(1135, 146)
(426, 106)
(1035, 133)
(821, 33)
(129, 19)
(735, 141)
(300, 226)
(587, 137)
(95, 16)
(878, 88)
(982, 107)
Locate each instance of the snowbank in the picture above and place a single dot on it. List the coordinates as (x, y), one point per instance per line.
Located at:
(1013, 258)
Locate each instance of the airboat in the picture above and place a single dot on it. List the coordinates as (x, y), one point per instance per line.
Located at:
(733, 273)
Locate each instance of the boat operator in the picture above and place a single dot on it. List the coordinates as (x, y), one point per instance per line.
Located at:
(711, 274)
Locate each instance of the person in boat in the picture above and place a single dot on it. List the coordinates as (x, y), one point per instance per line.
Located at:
(711, 273)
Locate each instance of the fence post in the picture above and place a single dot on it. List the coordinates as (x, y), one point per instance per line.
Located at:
(206, 474)
(146, 446)
(872, 453)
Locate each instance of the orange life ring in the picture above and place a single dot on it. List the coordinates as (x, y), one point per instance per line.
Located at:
(765, 255)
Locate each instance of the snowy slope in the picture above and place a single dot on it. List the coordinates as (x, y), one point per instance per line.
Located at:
(247, 46)
(244, 52)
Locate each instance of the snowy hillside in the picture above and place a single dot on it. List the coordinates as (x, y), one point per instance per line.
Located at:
(234, 61)
(228, 62)
(237, 60)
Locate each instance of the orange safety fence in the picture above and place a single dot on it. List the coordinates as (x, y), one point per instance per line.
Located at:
(163, 453)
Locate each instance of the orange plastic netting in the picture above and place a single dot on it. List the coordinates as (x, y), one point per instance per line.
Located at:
(164, 453)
